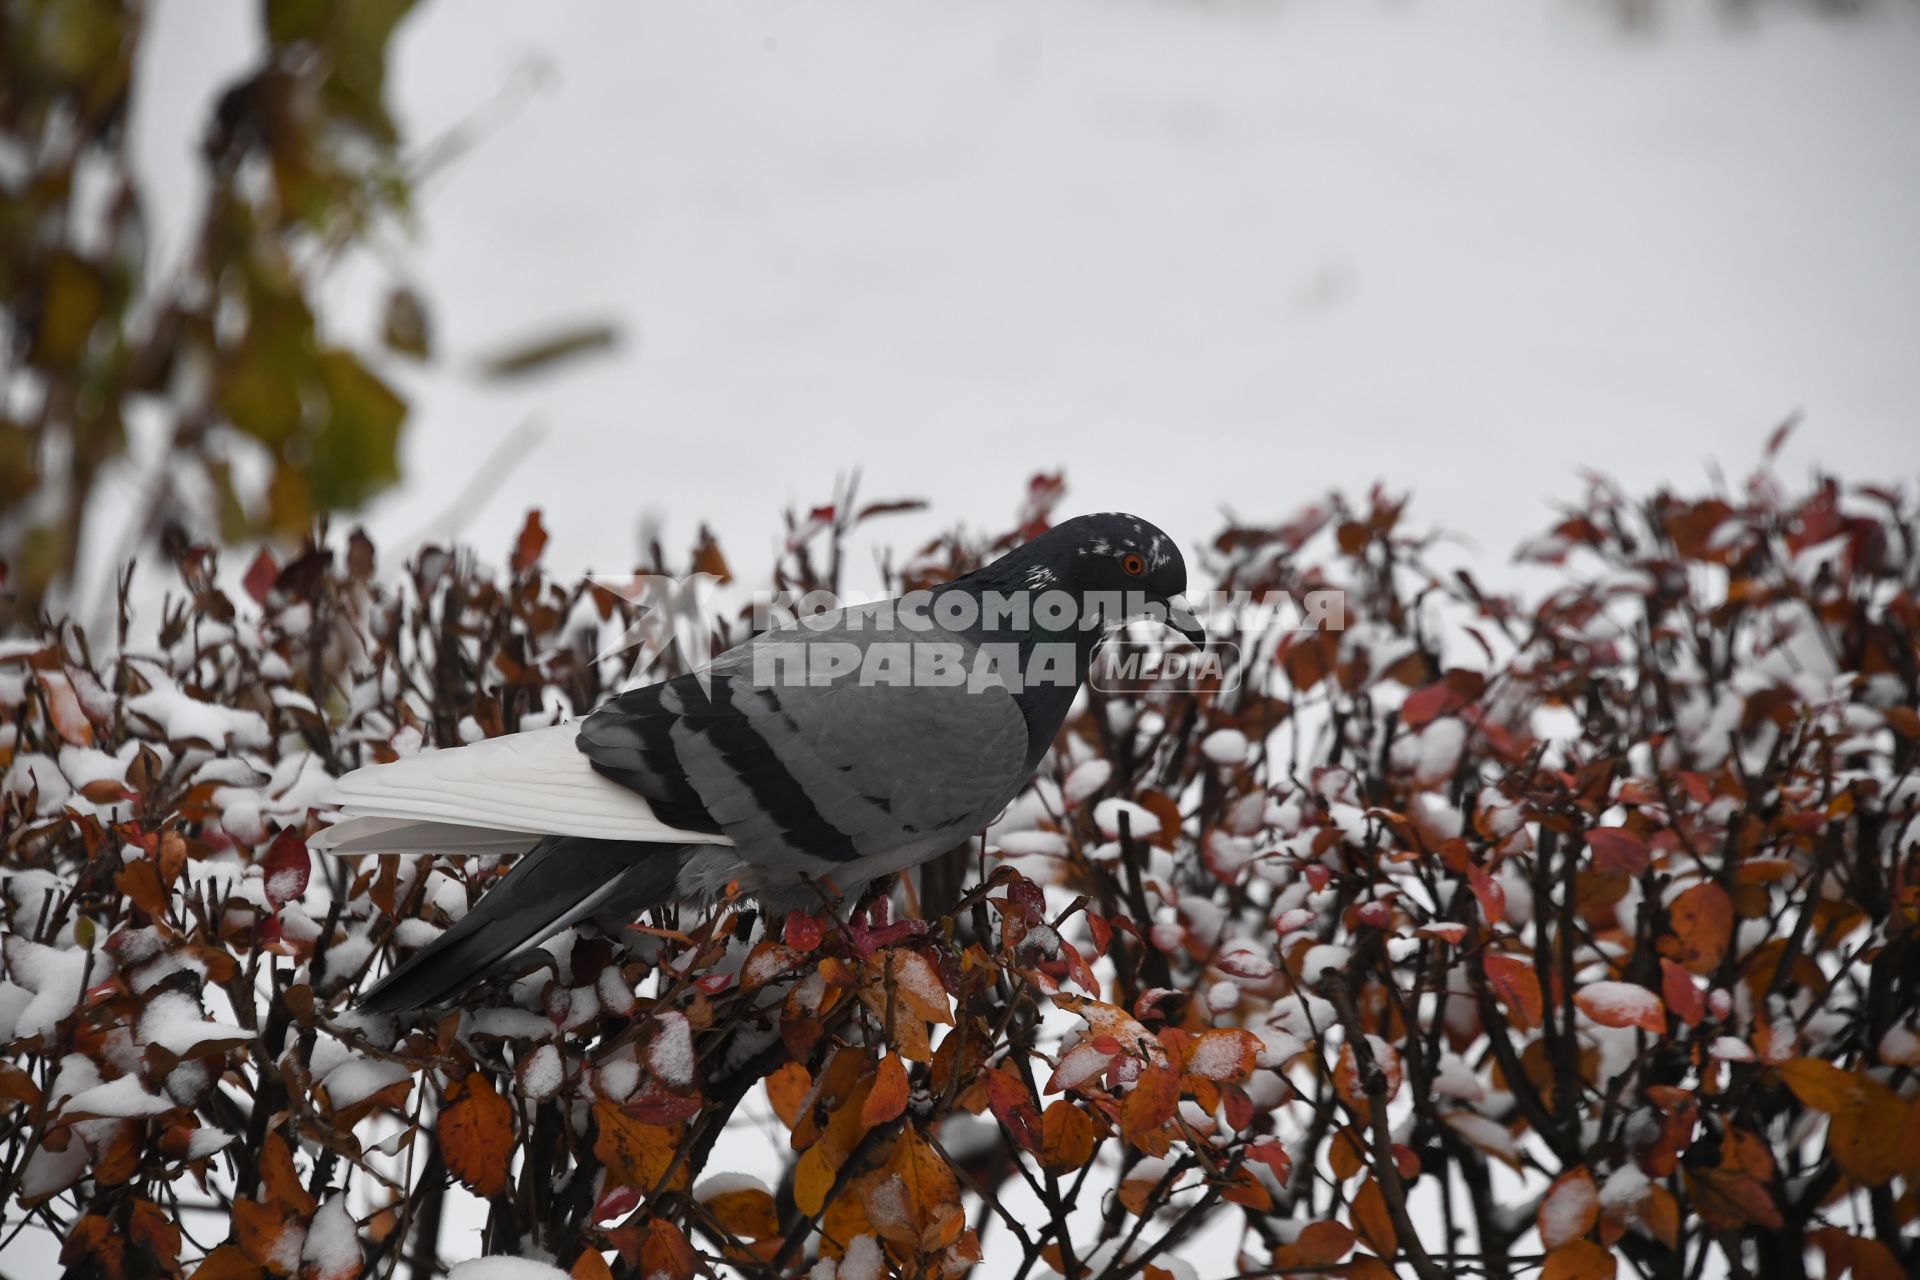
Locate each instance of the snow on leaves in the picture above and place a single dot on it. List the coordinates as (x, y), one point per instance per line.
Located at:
(1610, 889)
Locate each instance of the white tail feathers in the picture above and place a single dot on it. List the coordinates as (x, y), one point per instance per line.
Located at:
(496, 796)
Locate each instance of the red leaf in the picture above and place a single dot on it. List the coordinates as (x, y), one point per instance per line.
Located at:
(1517, 985)
(803, 932)
(286, 868)
(1274, 1156)
(1617, 849)
(531, 542)
(260, 576)
(618, 1202)
(1424, 706)
(1013, 1107)
(1682, 994)
(1493, 898)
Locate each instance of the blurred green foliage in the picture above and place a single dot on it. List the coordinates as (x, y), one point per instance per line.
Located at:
(302, 161)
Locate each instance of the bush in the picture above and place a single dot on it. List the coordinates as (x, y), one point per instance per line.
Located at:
(1474, 936)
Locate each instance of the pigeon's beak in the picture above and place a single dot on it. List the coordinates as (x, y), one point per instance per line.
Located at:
(1181, 618)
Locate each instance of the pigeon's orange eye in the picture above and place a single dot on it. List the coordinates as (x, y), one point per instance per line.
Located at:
(1134, 563)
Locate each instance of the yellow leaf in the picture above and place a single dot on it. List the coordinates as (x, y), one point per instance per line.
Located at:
(813, 1177)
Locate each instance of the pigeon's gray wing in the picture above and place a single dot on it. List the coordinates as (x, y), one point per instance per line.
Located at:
(802, 776)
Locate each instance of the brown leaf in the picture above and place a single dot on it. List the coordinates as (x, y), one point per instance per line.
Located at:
(281, 1181)
(888, 1098)
(1731, 1199)
(150, 1227)
(93, 1244)
(1702, 923)
(228, 1262)
(476, 1135)
(1321, 1244)
(1580, 1260)
(1617, 849)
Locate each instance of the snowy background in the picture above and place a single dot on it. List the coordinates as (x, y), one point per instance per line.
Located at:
(1197, 254)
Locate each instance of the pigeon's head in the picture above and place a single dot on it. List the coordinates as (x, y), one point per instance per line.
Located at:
(1103, 558)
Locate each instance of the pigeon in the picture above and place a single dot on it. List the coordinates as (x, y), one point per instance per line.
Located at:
(845, 746)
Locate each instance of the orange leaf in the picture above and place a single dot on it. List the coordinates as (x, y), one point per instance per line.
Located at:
(1580, 1260)
(1245, 1189)
(1820, 1085)
(889, 1095)
(747, 1212)
(1663, 1216)
(590, 1265)
(1702, 921)
(787, 1091)
(1622, 1004)
(1223, 1053)
(257, 1229)
(1371, 1220)
(476, 1135)
(228, 1262)
(636, 1154)
(666, 1252)
(1148, 1107)
(1868, 1139)
(1067, 1137)
(1347, 1153)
